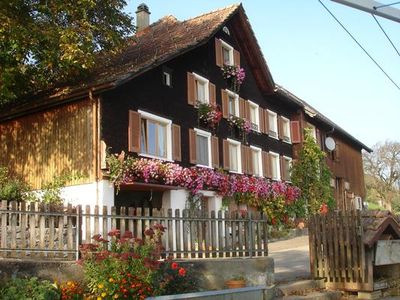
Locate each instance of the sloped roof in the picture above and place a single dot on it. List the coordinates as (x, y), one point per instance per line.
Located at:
(158, 43)
(319, 116)
(376, 222)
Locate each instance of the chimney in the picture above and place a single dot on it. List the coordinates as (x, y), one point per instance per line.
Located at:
(142, 17)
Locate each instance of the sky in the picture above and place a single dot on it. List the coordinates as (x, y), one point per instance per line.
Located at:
(310, 55)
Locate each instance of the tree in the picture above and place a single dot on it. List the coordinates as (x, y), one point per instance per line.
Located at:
(48, 42)
(382, 170)
(311, 174)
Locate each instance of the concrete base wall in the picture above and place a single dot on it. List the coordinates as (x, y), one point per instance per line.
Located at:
(212, 272)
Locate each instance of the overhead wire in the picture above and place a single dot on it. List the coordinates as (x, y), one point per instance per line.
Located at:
(358, 43)
(387, 36)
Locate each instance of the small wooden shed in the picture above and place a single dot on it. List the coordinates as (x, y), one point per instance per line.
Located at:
(356, 251)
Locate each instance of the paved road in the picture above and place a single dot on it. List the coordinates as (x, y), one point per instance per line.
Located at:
(291, 259)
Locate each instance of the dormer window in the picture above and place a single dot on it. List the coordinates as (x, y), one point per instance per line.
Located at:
(227, 54)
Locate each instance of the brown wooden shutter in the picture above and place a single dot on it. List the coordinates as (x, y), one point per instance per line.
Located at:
(191, 95)
(225, 153)
(176, 142)
(192, 146)
(236, 58)
(212, 96)
(218, 53)
(215, 151)
(295, 132)
(318, 137)
(103, 155)
(242, 108)
(247, 110)
(266, 121)
(261, 120)
(250, 160)
(280, 127)
(282, 167)
(134, 131)
(225, 104)
(266, 164)
(243, 152)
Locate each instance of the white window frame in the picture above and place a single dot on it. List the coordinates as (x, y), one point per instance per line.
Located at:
(275, 115)
(239, 171)
(230, 49)
(257, 120)
(236, 96)
(313, 130)
(206, 82)
(288, 129)
(278, 165)
(167, 77)
(259, 154)
(208, 136)
(289, 159)
(168, 123)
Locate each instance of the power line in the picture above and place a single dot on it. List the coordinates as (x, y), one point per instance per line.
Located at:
(387, 36)
(386, 5)
(355, 40)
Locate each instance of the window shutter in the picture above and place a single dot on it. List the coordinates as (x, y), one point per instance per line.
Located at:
(261, 119)
(134, 131)
(215, 151)
(266, 121)
(266, 164)
(211, 90)
(176, 142)
(295, 132)
(226, 154)
(282, 167)
(103, 155)
(225, 104)
(192, 147)
(242, 108)
(236, 58)
(218, 53)
(250, 161)
(247, 110)
(191, 89)
(243, 152)
(280, 127)
(318, 136)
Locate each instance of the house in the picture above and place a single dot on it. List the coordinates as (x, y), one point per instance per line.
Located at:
(145, 102)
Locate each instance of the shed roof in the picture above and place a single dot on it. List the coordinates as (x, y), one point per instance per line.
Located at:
(376, 222)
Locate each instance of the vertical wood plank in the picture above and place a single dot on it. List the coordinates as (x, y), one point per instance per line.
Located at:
(131, 213)
(104, 222)
(4, 216)
(200, 228)
(139, 224)
(207, 235)
(13, 227)
(220, 236)
(96, 225)
(234, 231)
(349, 268)
(185, 229)
(70, 239)
(23, 228)
(60, 234)
(113, 219)
(88, 235)
(228, 242)
(213, 234)
(178, 230)
(170, 231)
(265, 234)
(193, 233)
(342, 250)
(122, 220)
(51, 234)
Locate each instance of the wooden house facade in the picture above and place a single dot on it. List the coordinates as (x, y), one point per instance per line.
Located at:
(145, 102)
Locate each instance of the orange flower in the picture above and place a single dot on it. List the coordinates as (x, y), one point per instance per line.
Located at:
(182, 272)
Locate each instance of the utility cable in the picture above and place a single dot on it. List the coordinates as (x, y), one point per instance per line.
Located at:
(355, 40)
(387, 36)
(386, 5)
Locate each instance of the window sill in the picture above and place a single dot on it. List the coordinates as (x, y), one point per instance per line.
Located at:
(155, 157)
(203, 166)
(236, 172)
(287, 142)
(273, 137)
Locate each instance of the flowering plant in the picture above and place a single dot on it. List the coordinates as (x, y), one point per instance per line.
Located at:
(71, 290)
(209, 114)
(235, 75)
(242, 124)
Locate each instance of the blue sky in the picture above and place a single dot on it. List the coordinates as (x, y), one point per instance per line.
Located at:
(311, 56)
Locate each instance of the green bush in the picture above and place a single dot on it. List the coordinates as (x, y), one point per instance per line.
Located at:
(29, 289)
(12, 188)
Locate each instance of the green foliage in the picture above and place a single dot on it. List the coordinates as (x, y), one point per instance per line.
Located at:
(12, 188)
(29, 289)
(51, 191)
(311, 174)
(42, 43)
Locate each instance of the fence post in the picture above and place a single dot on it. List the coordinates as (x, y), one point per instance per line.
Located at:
(250, 234)
(78, 229)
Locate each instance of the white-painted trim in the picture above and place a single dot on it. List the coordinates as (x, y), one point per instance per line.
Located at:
(207, 86)
(259, 154)
(288, 158)
(257, 120)
(278, 169)
(239, 171)
(288, 130)
(275, 115)
(230, 49)
(208, 136)
(167, 78)
(236, 96)
(168, 123)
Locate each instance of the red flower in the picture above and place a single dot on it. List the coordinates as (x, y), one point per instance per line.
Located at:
(182, 272)
(174, 266)
(114, 232)
(324, 209)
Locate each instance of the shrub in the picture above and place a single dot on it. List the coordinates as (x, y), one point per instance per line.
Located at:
(11, 187)
(29, 289)
(71, 290)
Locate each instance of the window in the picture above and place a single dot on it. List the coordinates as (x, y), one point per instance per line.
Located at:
(287, 164)
(203, 148)
(227, 54)
(235, 161)
(272, 124)
(256, 160)
(254, 116)
(167, 78)
(155, 136)
(286, 130)
(233, 104)
(201, 89)
(275, 167)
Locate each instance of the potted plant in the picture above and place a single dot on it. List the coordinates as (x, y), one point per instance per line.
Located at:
(234, 75)
(237, 281)
(209, 115)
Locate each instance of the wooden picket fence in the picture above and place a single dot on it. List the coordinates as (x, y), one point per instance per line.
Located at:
(29, 231)
(337, 251)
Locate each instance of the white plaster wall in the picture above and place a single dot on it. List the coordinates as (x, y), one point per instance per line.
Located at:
(96, 193)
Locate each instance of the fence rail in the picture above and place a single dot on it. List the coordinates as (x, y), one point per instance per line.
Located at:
(32, 230)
